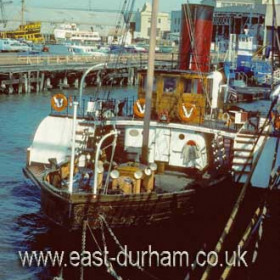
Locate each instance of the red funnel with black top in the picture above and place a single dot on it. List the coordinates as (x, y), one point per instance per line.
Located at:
(196, 36)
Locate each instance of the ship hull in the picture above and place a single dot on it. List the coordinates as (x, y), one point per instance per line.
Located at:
(128, 210)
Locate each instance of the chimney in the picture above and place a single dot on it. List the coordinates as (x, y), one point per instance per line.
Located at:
(196, 35)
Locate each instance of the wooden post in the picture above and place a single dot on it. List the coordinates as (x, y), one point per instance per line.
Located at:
(20, 84)
(42, 81)
(65, 82)
(136, 82)
(37, 81)
(60, 84)
(25, 82)
(76, 83)
(11, 89)
(28, 82)
(130, 76)
(48, 83)
(98, 79)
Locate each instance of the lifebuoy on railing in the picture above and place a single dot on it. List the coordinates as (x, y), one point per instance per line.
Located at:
(277, 123)
(187, 111)
(226, 118)
(276, 120)
(139, 108)
(59, 102)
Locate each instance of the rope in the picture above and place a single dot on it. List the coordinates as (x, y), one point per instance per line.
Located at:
(123, 250)
(245, 239)
(83, 247)
(109, 266)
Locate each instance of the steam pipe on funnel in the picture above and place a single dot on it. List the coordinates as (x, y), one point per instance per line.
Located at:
(196, 35)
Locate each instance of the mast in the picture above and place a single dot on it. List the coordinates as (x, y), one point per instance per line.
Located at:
(22, 12)
(150, 81)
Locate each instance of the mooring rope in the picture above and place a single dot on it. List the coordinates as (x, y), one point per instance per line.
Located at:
(108, 264)
(83, 247)
(233, 215)
(123, 249)
(256, 219)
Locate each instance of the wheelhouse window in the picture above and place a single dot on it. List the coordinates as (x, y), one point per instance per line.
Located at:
(169, 84)
(193, 86)
(144, 83)
(187, 85)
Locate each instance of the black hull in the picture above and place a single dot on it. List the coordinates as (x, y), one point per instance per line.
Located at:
(119, 211)
(131, 210)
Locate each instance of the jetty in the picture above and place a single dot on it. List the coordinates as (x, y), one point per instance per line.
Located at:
(27, 73)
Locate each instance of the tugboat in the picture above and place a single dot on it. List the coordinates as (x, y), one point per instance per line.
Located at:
(97, 158)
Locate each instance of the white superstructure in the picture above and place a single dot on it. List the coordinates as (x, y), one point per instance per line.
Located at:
(70, 32)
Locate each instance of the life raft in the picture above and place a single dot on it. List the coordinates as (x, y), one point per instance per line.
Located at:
(59, 102)
(139, 108)
(187, 112)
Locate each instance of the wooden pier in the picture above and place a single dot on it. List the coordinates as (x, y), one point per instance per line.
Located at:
(26, 73)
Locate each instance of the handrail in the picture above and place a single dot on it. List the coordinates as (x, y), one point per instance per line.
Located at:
(97, 153)
(94, 67)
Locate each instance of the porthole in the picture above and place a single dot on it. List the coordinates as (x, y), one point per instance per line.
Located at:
(181, 136)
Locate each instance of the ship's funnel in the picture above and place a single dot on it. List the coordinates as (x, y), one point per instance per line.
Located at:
(196, 35)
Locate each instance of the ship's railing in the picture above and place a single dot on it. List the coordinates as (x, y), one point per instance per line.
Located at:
(93, 108)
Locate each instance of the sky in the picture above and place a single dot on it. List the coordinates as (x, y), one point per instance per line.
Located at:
(164, 5)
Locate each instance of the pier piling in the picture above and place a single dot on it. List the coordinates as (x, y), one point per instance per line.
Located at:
(42, 81)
